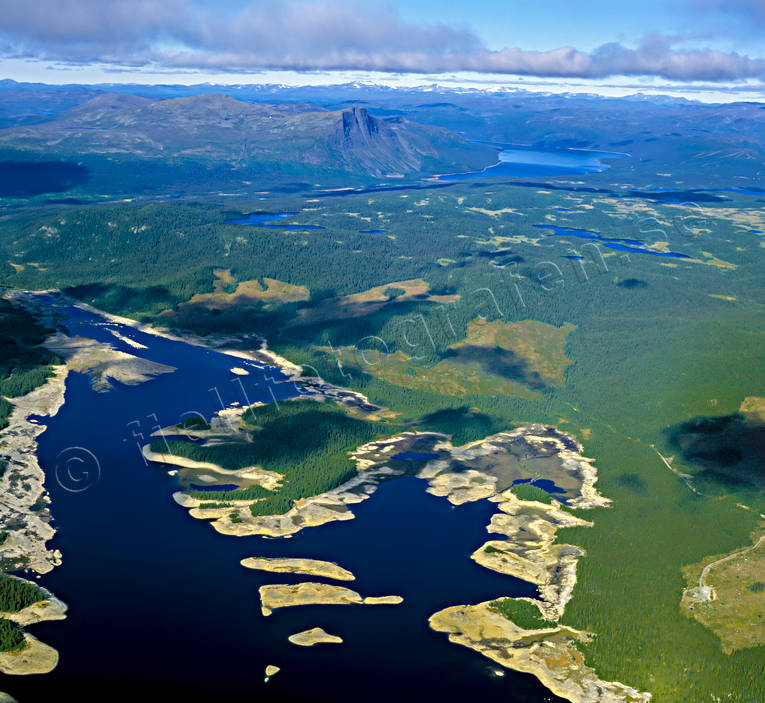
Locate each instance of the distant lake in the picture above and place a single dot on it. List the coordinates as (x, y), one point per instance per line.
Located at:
(616, 243)
(266, 220)
(515, 162)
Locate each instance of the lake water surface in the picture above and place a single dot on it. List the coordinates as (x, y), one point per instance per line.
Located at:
(523, 162)
(160, 608)
(267, 220)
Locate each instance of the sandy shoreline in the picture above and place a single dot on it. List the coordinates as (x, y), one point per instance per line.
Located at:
(26, 544)
(316, 635)
(291, 565)
(529, 552)
(460, 474)
(282, 595)
(548, 654)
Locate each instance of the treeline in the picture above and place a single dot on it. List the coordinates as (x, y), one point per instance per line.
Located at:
(250, 493)
(527, 491)
(194, 422)
(6, 409)
(306, 441)
(11, 637)
(21, 382)
(24, 365)
(16, 595)
(521, 612)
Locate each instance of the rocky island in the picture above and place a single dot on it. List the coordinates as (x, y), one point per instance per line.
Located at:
(316, 635)
(310, 567)
(275, 596)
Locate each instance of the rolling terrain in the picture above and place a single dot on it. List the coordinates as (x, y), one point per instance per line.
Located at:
(624, 308)
(217, 129)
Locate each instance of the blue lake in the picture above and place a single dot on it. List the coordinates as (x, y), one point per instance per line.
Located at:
(616, 243)
(519, 162)
(266, 220)
(160, 608)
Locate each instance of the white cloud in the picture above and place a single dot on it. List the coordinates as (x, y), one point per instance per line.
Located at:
(320, 35)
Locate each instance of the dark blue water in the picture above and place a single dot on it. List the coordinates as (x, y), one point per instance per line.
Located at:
(516, 162)
(159, 607)
(261, 220)
(372, 231)
(618, 244)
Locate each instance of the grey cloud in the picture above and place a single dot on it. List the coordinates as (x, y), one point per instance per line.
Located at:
(320, 35)
(88, 29)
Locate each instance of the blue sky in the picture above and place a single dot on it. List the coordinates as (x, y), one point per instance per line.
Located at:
(536, 24)
(542, 24)
(696, 45)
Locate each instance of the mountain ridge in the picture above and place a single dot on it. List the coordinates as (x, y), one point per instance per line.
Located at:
(220, 128)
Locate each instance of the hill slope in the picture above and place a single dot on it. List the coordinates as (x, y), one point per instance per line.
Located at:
(221, 129)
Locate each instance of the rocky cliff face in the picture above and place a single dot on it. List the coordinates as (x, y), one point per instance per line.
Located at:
(358, 123)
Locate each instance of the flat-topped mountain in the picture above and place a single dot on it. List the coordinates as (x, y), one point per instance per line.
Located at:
(218, 128)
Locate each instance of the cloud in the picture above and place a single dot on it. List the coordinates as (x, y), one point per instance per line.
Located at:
(320, 35)
(84, 30)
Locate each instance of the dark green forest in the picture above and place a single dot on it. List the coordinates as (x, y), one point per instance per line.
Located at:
(11, 637)
(16, 595)
(312, 462)
(24, 364)
(521, 612)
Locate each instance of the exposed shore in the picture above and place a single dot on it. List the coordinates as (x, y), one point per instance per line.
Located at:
(35, 658)
(309, 567)
(51, 608)
(24, 509)
(25, 513)
(103, 363)
(548, 654)
(25, 499)
(316, 635)
(280, 595)
(254, 474)
(314, 511)
(529, 552)
(259, 354)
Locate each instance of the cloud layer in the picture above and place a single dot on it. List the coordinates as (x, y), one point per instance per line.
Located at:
(321, 35)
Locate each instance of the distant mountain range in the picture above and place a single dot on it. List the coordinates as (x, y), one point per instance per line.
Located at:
(219, 129)
(183, 140)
